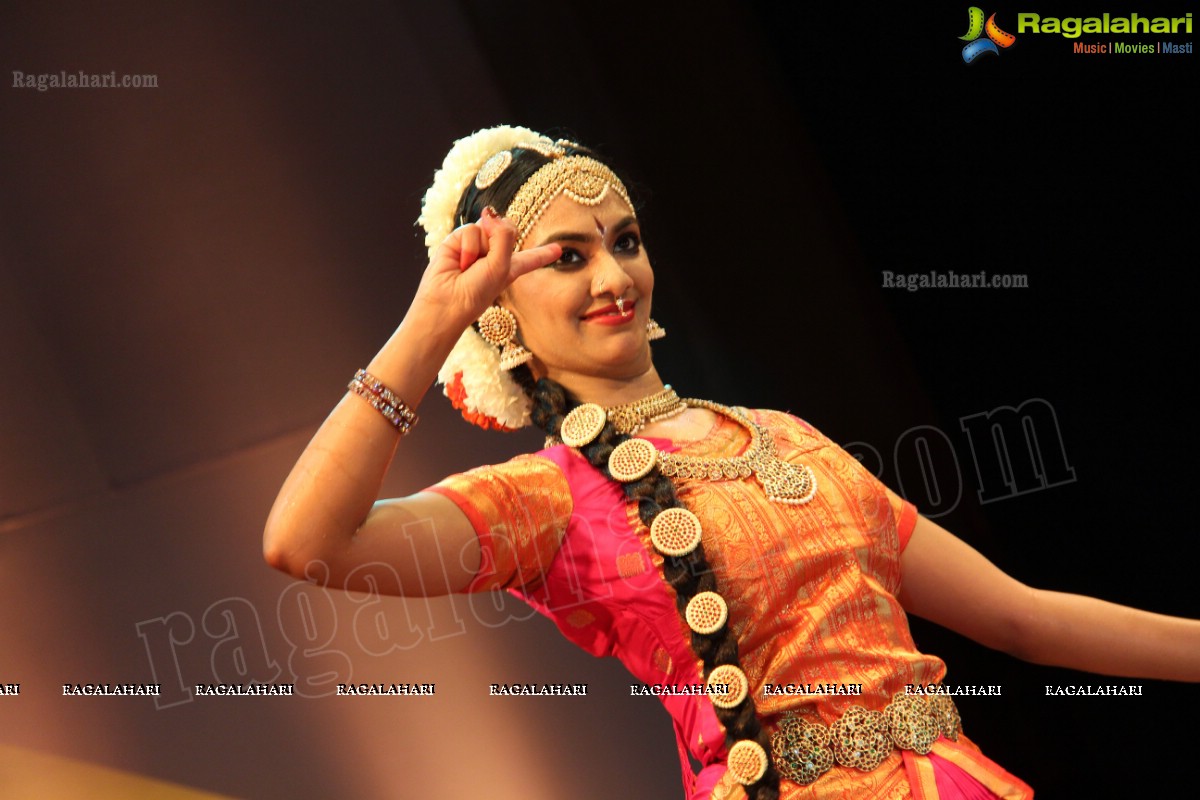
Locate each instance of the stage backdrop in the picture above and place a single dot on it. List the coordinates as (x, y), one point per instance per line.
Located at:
(975, 276)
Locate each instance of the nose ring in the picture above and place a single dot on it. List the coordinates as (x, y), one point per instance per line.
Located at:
(621, 304)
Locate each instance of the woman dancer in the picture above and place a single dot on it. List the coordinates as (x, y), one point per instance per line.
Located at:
(735, 550)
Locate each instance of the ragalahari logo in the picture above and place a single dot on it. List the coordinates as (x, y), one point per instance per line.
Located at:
(976, 27)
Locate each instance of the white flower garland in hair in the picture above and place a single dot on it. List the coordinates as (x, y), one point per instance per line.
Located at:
(490, 391)
(458, 170)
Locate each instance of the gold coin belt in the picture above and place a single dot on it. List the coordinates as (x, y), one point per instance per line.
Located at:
(862, 739)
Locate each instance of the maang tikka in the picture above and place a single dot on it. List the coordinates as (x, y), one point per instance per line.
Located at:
(474, 375)
(498, 327)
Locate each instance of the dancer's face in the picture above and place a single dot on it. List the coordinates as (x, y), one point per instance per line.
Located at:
(567, 313)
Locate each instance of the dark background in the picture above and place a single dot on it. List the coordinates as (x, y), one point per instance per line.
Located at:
(190, 274)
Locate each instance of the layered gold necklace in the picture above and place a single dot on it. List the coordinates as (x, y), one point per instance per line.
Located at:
(783, 482)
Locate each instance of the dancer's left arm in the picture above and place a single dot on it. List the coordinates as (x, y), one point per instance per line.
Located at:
(945, 580)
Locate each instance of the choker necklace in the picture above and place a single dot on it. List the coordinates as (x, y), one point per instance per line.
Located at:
(782, 481)
(629, 418)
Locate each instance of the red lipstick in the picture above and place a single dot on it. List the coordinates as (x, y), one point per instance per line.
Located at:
(611, 315)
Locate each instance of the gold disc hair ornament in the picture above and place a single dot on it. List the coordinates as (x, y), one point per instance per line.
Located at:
(582, 425)
(675, 532)
(632, 460)
(747, 761)
(492, 169)
(706, 613)
(736, 682)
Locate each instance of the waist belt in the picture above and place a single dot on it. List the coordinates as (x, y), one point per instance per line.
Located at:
(803, 750)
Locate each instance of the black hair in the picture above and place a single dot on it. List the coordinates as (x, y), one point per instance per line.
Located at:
(688, 575)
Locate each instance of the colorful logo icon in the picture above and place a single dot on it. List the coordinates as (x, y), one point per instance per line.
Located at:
(976, 27)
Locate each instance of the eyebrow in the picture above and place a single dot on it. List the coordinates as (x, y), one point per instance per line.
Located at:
(574, 236)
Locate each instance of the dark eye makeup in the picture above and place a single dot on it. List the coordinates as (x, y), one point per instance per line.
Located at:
(628, 243)
(570, 258)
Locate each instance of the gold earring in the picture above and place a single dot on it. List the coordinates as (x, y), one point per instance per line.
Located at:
(654, 330)
(498, 326)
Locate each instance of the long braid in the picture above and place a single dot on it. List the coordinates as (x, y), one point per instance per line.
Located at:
(687, 575)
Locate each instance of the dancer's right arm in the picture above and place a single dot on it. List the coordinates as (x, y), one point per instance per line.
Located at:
(327, 510)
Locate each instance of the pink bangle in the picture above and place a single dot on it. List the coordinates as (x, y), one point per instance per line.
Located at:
(383, 400)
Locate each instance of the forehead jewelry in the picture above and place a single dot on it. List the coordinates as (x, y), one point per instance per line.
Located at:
(581, 178)
(495, 166)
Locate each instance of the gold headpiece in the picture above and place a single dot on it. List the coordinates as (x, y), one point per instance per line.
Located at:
(581, 178)
(492, 169)
(472, 375)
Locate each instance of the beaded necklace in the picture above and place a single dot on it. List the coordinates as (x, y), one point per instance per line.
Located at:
(634, 458)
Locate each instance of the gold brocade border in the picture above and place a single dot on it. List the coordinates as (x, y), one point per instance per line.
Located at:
(994, 777)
